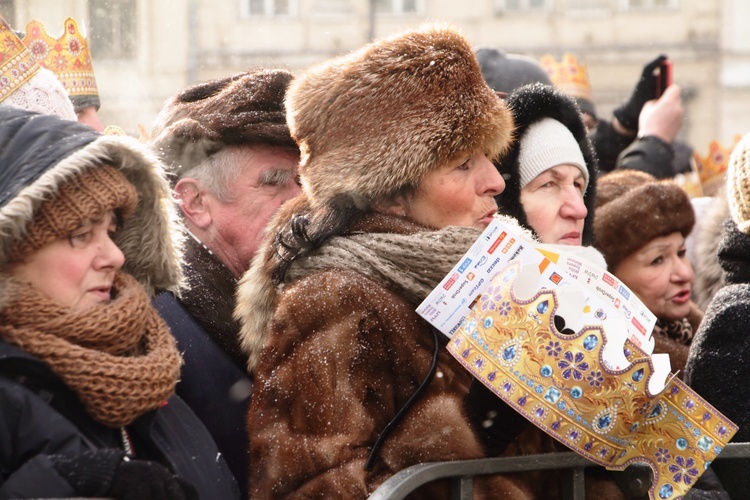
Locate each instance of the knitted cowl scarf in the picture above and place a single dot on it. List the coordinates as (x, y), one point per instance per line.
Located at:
(119, 358)
(409, 264)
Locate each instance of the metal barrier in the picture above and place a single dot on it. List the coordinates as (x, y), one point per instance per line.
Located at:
(461, 473)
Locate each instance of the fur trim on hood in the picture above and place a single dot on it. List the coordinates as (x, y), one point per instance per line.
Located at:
(377, 120)
(39, 153)
(529, 104)
(633, 208)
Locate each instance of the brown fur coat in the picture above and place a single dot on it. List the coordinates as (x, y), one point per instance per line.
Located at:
(342, 356)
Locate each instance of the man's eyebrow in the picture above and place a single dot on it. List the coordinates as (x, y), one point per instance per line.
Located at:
(276, 176)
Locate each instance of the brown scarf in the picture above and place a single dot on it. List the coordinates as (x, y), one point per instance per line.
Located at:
(119, 358)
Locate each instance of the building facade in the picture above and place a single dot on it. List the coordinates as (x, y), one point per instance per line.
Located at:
(145, 51)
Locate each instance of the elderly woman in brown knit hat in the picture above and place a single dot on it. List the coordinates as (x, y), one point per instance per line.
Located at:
(641, 225)
(87, 367)
(351, 385)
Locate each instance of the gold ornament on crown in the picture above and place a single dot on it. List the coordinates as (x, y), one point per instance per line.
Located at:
(561, 383)
(17, 65)
(711, 168)
(68, 57)
(568, 75)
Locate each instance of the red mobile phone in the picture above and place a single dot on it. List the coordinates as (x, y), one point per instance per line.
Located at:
(663, 77)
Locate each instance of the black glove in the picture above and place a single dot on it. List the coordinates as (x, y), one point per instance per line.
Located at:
(644, 90)
(144, 479)
(90, 473)
(497, 423)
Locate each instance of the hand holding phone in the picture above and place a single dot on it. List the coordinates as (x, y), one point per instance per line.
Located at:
(663, 77)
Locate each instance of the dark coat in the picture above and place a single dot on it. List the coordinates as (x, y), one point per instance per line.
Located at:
(529, 104)
(41, 417)
(718, 366)
(215, 388)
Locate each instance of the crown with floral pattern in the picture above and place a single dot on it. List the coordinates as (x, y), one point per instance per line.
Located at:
(711, 168)
(568, 75)
(562, 385)
(68, 57)
(17, 65)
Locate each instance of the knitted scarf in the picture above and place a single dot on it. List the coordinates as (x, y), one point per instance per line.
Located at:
(119, 358)
(409, 264)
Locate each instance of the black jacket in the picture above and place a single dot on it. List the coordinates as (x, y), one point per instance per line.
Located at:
(40, 418)
(718, 366)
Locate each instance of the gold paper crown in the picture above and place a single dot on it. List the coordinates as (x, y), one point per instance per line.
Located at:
(569, 75)
(68, 57)
(17, 65)
(561, 384)
(712, 167)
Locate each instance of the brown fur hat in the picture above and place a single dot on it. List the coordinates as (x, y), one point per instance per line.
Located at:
(243, 109)
(377, 120)
(633, 208)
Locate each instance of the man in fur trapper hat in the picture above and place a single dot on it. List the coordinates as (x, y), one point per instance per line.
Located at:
(233, 163)
(546, 148)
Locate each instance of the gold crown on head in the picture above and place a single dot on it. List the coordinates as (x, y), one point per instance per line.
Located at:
(568, 75)
(711, 168)
(17, 65)
(68, 57)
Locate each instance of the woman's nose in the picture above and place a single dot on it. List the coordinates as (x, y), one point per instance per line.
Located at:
(684, 270)
(494, 183)
(110, 256)
(573, 206)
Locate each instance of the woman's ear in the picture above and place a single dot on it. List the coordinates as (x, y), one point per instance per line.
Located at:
(395, 206)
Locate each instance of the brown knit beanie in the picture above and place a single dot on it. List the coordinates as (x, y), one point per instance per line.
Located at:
(633, 208)
(86, 196)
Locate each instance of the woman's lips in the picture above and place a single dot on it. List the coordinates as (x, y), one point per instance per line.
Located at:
(573, 238)
(104, 293)
(681, 297)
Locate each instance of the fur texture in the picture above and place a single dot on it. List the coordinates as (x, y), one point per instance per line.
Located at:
(243, 109)
(530, 104)
(343, 355)
(633, 208)
(149, 239)
(709, 277)
(377, 120)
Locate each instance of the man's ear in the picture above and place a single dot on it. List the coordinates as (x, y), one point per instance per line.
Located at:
(193, 202)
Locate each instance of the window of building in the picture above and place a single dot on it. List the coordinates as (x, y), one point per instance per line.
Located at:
(522, 5)
(112, 32)
(649, 4)
(8, 11)
(268, 8)
(398, 6)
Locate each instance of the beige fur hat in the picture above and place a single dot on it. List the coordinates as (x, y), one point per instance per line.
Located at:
(633, 208)
(377, 120)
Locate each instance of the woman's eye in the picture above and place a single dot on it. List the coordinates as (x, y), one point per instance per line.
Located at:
(80, 238)
(464, 165)
(657, 261)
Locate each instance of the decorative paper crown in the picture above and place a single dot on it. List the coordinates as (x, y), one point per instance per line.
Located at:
(17, 65)
(560, 383)
(711, 168)
(569, 75)
(68, 58)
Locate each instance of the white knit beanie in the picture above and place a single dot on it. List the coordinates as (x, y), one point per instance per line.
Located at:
(44, 94)
(547, 144)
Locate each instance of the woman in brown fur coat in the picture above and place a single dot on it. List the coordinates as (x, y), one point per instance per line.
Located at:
(351, 384)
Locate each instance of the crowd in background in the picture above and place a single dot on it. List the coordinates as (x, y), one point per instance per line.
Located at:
(226, 309)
